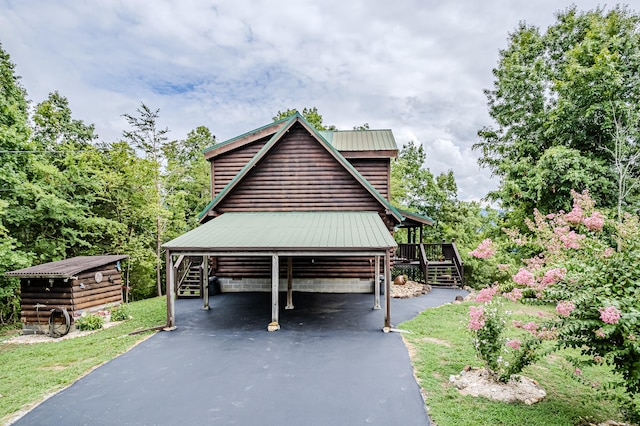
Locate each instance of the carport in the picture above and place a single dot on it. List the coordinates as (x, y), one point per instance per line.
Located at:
(279, 235)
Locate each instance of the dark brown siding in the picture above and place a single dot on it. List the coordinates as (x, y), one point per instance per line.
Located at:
(70, 294)
(303, 267)
(225, 167)
(298, 175)
(376, 171)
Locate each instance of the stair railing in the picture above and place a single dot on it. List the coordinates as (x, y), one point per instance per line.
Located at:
(183, 272)
(424, 263)
(457, 261)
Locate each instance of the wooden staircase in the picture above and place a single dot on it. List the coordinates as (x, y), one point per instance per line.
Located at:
(443, 274)
(189, 278)
(438, 264)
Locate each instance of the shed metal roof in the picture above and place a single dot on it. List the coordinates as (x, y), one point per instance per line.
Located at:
(267, 231)
(66, 268)
(361, 140)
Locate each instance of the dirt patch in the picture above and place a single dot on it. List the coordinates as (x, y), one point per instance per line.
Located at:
(478, 382)
(29, 339)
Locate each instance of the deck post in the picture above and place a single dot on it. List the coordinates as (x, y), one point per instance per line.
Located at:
(376, 285)
(275, 308)
(171, 290)
(289, 283)
(387, 290)
(204, 278)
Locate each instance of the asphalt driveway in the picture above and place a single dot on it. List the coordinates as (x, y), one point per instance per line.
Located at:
(330, 364)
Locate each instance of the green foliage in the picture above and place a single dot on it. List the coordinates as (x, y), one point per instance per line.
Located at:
(186, 180)
(89, 322)
(556, 99)
(120, 313)
(310, 114)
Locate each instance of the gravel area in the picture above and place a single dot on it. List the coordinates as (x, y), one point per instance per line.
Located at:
(409, 289)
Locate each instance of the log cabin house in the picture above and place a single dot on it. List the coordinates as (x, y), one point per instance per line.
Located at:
(294, 209)
(66, 288)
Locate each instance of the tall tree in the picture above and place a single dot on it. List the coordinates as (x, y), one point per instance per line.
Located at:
(415, 188)
(148, 137)
(187, 180)
(551, 103)
(15, 159)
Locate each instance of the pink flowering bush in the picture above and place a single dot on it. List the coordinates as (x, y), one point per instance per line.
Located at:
(502, 357)
(587, 266)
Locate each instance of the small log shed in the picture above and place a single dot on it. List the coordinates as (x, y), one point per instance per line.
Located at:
(84, 283)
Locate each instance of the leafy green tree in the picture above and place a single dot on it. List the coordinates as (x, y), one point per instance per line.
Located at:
(67, 177)
(554, 90)
(146, 136)
(128, 200)
(310, 114)
(15, 158)
(415, 188)
(187, 180)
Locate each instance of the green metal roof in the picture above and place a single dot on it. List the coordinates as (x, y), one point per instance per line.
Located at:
(263, 231)
(416, 216)
(360, 140)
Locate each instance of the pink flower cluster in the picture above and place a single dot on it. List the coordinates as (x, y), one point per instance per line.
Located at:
(565, 308)
(575, 215)
(553, 276)
(524, 277)
(514, 295)
(514, 344)
(595, 222)
(486, 294)
(476, 318)
(569, 237)
(485, 249)
(610, 314)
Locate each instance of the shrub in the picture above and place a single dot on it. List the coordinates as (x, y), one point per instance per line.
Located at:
(120, 313)
(585, 264)
(89, 322)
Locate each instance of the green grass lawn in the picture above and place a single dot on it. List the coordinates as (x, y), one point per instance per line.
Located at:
(29, 372)
(441, 346)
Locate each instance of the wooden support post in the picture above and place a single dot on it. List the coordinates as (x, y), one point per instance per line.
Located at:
(204, 271)
(275, 308)
(171, 291)
(376, 285)
(289, 283)
(387, 290)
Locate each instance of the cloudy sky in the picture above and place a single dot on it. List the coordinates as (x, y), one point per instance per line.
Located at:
(418, 67)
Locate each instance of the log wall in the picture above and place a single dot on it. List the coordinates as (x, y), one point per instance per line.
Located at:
(225, 167)
(303, 267)
(298, 175)
(74, 295)
(377, 171)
